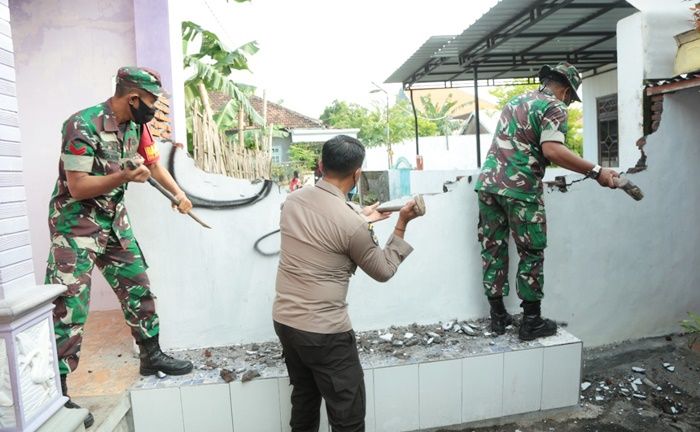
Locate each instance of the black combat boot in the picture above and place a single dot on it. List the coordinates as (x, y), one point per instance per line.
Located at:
(154, 360)
(89, 420)
(533, 325)
(500, 318)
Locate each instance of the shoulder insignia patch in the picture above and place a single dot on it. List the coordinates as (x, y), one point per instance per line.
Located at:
(370, 227)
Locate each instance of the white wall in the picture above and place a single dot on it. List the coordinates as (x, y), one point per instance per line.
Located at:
(16, 267)
(600, 85)
(615, 268)
(646, 50)
(66, 54)
(436, 155)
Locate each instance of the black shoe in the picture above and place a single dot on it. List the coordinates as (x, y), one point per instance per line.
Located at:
(154, 360)
(89, 420)
(500, 318)
(534, 326)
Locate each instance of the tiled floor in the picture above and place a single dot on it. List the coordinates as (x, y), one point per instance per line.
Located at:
(107, 362)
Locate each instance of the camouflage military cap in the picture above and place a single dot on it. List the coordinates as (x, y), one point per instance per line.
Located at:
(564, 70)
(143, 78)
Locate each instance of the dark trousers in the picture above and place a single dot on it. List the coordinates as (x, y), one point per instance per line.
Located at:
(324, 365)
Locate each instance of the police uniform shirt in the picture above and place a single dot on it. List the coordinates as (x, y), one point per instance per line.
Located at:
(323, 241)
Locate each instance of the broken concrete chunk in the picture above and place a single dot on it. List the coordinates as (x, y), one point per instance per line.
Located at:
(639, 396)
(248, 376)
(397, 343)
(599, 398)
(638, 369)
(228, 375)
(160, 375)
(408, 336)
(386, 337)
(669, 367)
(448, 325)
(585, 385)
(637, 381)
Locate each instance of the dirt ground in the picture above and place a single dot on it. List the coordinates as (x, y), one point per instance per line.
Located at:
(668, 398)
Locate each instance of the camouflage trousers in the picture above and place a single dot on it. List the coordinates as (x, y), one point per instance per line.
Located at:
(527, 223)
(125, 271)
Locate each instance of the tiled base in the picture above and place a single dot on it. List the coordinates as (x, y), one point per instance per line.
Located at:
(510, 380)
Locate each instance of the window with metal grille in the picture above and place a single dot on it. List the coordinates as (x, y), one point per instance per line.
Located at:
(608, 152)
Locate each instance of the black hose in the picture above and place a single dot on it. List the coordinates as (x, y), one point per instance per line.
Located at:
(256, 246)
(220, 205)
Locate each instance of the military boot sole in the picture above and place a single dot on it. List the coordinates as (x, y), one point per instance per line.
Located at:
(544, 331)
(147, 371)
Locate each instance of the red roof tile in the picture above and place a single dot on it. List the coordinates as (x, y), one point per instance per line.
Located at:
(276, 114)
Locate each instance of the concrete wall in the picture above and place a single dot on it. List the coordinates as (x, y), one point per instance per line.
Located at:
(67, 54)
(615, 268)
(600, 85)
(460, 155)
(646, 50)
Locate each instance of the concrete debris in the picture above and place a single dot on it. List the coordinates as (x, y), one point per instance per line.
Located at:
(469, 330)
(634, 387)
(386, 337)
(228, 375)
(448, 325)
(638, 381)
(669, 367)
(639, 396)
(408, 335)
(599, 398)
(638, 369)
(585, 385)
(160, 375)
(250, 375)
(397, 342)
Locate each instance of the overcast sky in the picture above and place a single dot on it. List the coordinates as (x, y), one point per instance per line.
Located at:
(315, 51)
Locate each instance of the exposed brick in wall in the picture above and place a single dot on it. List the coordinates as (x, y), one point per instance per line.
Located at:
(161, 125)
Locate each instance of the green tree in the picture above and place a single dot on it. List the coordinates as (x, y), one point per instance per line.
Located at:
(304, 156)
(440, 115)
(372, 122)
(574, 135)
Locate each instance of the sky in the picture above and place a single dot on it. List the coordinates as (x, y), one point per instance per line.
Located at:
(315, 51)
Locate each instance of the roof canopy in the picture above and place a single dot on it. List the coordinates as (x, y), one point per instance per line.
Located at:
(516, 37)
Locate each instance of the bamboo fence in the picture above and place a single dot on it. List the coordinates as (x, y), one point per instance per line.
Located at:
(215, 153)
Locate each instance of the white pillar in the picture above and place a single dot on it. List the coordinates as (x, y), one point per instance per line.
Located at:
(157, 27)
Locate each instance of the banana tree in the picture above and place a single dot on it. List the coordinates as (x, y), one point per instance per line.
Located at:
(211, 67)
(440, 115)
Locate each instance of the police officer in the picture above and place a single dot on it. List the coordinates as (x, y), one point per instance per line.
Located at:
(89, 224)
(530, 134)
(324, 239)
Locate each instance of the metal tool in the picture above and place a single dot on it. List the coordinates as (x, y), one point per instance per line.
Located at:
(153, 182)
(630, 188)
(390, 206)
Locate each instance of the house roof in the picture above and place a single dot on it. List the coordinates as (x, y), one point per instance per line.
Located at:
(276, 114)
(517, 37)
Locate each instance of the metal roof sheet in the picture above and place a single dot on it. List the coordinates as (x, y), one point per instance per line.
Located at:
(516, 37)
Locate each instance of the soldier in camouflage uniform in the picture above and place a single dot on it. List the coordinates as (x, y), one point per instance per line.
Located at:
(530, 135)
(89, 224)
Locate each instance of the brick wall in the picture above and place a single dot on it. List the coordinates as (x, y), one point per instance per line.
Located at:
(161, 125)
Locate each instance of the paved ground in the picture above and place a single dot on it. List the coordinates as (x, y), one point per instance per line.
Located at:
(672, 398)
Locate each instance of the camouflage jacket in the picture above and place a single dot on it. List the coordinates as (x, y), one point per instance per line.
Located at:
(94, 143)
(515, 164)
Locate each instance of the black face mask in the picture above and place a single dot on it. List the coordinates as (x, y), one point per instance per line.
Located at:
(143, 114)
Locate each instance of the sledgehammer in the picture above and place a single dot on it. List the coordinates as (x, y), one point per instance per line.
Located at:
(630, 188)
(389, 206)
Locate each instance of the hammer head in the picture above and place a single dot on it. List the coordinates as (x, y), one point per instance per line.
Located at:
(630, 188)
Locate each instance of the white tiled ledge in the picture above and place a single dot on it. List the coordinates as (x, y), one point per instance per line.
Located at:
(403, 397)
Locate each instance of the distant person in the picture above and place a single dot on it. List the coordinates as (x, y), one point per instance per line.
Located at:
(530, 135)
(90, 227)
(295, 183)
(324, 240)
